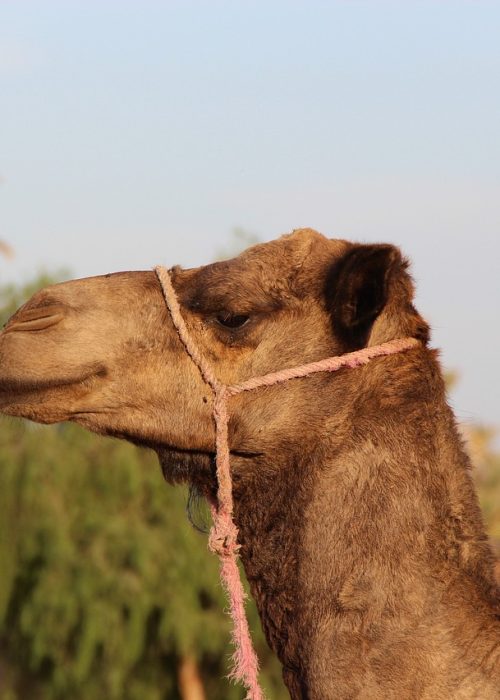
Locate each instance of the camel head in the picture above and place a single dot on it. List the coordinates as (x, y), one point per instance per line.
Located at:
(103, 351)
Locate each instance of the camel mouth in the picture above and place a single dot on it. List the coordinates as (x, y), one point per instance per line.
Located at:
(37, 319)
(23, 386)
(27, 397)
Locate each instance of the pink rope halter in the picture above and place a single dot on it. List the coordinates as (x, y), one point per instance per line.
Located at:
(223, 539)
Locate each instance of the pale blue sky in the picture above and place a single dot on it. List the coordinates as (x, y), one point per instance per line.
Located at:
(136, 133)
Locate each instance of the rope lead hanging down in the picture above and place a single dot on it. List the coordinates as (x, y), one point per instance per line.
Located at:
(223, 538)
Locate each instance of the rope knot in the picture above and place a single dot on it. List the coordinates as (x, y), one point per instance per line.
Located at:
(223, 537)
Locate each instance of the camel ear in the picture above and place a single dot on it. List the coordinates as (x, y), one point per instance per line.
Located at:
(358, 289)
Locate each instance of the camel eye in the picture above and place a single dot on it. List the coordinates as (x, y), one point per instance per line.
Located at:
(232, 321)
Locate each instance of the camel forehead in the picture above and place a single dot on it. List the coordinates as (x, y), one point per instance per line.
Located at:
(264, 275)
(291, 250)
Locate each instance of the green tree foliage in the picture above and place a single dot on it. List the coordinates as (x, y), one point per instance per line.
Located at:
(105, 587)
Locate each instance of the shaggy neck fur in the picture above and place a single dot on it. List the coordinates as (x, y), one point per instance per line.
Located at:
(368, 554)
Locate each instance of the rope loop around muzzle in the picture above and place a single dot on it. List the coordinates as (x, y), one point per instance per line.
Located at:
(223, 538)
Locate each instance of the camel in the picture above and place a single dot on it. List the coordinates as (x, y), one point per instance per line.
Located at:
(360, 530)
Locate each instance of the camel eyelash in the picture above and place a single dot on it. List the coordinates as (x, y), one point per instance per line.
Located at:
(232, 321)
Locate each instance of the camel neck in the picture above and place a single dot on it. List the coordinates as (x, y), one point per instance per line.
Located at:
(369, 553)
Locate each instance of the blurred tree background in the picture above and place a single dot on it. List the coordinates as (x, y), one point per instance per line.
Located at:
(106, 591)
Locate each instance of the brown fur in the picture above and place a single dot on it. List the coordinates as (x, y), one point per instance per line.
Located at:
(361, 533)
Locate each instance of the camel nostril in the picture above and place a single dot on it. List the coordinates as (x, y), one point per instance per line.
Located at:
(37, 319)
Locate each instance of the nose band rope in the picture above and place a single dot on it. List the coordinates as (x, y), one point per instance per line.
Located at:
(223, 538)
